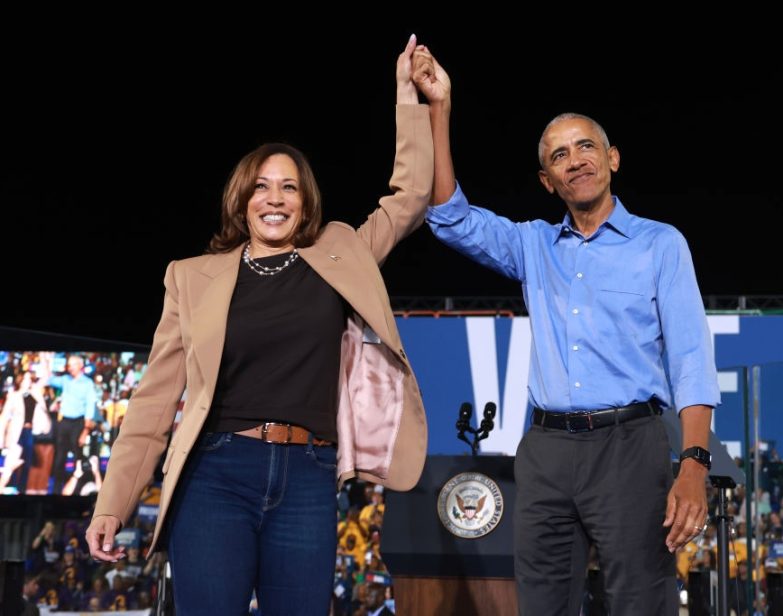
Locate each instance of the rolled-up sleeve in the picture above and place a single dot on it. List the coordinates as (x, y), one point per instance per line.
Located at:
(687, 340)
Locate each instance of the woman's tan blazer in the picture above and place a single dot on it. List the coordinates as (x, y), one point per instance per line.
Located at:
(381, 423)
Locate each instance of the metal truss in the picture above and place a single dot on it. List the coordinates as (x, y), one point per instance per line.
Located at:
(507, 306)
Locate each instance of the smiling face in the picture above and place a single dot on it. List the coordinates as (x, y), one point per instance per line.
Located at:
(577, 163)
(274, 211)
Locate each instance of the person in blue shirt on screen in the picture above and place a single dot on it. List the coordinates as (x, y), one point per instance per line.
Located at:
(619, 331)
(77, 404)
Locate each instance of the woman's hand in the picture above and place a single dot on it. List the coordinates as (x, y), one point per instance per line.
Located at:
(100, 538)
(406, 89)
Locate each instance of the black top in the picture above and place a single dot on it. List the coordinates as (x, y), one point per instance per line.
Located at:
(29, 407)
(281, 357)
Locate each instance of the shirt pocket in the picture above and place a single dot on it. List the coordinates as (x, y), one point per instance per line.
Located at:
(622, 309)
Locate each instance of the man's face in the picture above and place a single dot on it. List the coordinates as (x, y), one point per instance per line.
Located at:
(577, 165)
(376, 595)
(31, 588)
(75, 365)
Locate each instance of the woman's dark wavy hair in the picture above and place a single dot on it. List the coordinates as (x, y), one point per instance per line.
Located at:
(239, 188)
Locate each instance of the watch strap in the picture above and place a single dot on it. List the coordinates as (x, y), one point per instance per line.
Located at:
(701, 455)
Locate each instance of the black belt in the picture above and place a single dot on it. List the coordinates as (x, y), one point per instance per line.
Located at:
(584, 421)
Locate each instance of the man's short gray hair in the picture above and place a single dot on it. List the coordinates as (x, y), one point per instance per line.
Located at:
(569, 116)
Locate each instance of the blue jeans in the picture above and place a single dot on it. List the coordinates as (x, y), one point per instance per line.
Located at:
(252, 515)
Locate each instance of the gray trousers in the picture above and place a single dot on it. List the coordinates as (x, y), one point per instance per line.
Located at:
(607, 487)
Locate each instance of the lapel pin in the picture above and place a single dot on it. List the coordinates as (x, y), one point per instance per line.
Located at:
(335, 257)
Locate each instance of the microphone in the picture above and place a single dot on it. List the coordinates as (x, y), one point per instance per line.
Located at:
(463, 422)
(490, 408)
(487, 424)
(465, 413)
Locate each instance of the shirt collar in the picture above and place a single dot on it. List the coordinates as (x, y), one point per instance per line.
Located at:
(619, 220)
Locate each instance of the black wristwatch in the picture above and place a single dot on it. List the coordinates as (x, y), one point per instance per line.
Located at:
(701, 455)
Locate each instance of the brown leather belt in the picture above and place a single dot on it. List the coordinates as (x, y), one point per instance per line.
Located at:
(284, 434)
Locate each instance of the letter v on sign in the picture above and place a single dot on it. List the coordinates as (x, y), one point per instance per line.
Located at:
(485, 372)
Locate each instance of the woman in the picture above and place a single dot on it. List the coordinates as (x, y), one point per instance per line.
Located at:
(46, 548)
(24, 415)
(44, 421)
(11, 423)
(287, 343)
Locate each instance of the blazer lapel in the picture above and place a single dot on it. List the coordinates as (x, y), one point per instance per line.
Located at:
(343, 272)
(210, 312)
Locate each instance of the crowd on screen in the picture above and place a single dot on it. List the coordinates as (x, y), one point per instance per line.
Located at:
(59, 414)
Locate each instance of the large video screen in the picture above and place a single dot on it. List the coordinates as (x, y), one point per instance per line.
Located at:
(60, 412)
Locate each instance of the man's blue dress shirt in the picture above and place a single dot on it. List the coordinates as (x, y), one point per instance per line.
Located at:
(78, 397)
(611, 314)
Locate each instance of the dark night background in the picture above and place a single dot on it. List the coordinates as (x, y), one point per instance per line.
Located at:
(116, 143)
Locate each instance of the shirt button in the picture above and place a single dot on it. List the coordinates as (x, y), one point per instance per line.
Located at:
(579, 275)
(585, 243)
(575, 347)
(577, 384)
(575, 311)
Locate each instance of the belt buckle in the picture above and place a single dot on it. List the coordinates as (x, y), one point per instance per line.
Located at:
(265, 431)
(588, 427)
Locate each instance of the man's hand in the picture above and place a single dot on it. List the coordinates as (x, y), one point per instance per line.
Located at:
(686, 505)
(430, 77)
(686, 508)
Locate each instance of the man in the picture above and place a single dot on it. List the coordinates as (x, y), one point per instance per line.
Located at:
(376, 601)
(619, 331)
(29, 593)
(77, 405)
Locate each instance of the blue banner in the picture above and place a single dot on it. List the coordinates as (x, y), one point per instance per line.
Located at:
(486, 359)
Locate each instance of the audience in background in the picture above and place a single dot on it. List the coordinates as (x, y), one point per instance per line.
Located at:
(62, 576)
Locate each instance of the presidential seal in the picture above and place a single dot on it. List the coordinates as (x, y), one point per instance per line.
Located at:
(470, 505)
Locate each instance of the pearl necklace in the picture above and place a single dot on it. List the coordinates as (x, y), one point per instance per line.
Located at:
(263, 270)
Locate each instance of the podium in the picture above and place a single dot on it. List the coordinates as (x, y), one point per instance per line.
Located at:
(438, 572)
